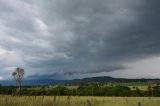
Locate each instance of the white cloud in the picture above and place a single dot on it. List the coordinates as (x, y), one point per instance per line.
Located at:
(1, 78)
(145, 68)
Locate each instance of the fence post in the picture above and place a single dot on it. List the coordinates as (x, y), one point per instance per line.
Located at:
(138, 104)
(69, 101)
(6, 101)
(88, 103)
(54, 101)
(42, 100)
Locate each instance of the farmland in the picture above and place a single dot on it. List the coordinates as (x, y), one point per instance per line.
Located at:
(86, 89)
(86, 94)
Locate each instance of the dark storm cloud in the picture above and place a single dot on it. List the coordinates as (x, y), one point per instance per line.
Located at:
(55, 75)
(108, 69)
(77, 37)
(69, 74)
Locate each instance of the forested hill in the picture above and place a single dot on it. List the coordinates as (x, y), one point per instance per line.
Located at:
(100, 79)
(111, 79)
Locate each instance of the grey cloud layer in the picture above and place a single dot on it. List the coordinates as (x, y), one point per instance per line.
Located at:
(77, 36)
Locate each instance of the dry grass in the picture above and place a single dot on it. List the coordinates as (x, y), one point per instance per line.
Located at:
(76, 101)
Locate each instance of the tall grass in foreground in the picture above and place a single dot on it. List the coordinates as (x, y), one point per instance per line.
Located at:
(76, 101)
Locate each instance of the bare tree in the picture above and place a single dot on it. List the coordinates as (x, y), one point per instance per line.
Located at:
(18, 76)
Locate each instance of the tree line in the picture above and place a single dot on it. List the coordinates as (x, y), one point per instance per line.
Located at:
(82, 90)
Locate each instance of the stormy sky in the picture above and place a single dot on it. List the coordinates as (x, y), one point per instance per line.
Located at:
(66, 39)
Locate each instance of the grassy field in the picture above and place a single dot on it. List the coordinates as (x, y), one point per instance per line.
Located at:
(76, 101)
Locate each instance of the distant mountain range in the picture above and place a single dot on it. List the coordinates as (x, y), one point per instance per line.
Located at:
(111, 79)
(34, 82)
(84, 80)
